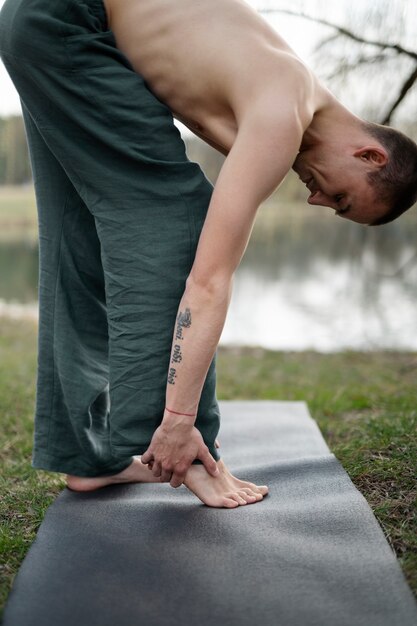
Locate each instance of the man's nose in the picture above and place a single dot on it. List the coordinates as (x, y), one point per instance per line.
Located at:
(317, 197)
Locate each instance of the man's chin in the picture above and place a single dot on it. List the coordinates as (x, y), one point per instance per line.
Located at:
(295, 166)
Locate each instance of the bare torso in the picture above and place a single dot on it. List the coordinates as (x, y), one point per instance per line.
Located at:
(207, 60)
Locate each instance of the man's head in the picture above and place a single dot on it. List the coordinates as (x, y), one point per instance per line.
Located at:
(395, 184)
(369, 177)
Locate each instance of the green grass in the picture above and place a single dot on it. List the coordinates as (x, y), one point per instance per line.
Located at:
(17, 203)
(18, 216)
(25, 494)
(365, 405)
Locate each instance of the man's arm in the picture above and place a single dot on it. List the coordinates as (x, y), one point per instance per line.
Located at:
(261, 156)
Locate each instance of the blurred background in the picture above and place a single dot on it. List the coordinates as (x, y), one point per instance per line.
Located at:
(307, 280)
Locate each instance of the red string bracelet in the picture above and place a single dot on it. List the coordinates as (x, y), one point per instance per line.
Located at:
(177, 413)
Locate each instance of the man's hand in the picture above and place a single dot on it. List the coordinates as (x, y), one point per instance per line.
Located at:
(173, 449)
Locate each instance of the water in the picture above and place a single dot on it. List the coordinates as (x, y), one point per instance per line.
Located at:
(307, 280)
(313, 281)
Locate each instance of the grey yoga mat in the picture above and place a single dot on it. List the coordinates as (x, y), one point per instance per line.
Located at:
(310, 554)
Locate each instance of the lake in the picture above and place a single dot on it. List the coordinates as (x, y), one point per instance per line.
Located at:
(308, 280)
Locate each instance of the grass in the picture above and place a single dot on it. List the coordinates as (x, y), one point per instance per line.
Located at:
(365, 406)
(17, 204)
(364, 403)
(18, 216)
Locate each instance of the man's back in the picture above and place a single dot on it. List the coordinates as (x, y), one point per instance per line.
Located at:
(207, 61)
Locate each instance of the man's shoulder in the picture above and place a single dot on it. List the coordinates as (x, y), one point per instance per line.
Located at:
(282, 87)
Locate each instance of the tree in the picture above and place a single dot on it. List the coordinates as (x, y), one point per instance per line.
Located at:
(366, 44)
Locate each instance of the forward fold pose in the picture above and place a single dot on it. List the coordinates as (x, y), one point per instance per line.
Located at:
(137, 249)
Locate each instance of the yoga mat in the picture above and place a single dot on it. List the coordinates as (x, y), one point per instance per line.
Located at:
(310, 554)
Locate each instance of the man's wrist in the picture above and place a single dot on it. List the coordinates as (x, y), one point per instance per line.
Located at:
(176, 416)
(180, 412)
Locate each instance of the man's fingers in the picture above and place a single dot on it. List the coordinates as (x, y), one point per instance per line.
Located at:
(177, 479)
(180, 472)
(208, 461)
(216, 443)
(146, 457)
(156, 470)
(165, 476)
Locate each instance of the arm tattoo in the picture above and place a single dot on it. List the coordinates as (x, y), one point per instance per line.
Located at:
(183, 321)
(177, 356)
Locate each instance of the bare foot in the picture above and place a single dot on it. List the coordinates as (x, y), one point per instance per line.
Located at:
(136, 472)
(224, 491)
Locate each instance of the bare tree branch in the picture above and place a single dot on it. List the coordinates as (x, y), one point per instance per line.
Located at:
(346, 67)
(344, 31)
(324, 42)
(403, 92)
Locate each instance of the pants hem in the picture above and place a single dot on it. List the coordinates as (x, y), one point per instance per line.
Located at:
(83, 470)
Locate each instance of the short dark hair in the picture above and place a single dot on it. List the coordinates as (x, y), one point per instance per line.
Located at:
(396, 182)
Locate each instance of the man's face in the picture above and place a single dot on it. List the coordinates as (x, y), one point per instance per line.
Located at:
(339, 181)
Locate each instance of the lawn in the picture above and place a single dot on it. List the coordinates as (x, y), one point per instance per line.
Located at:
(18, 216)
(364, 403)
(17, 205)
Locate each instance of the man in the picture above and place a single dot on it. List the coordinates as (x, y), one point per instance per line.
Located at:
(99, 84)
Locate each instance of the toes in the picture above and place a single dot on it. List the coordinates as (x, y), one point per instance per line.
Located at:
(257, 489)
(262, 489)
(248, 497)
(253, 495)
(237, 497)
(228, 503)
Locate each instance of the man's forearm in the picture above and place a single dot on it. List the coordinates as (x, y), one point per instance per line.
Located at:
(198, 327)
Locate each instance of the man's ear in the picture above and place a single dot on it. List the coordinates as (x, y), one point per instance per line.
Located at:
(373, 155)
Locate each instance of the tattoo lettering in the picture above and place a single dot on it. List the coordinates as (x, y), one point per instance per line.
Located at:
(171, 375)
(183, 321)
(177, 356)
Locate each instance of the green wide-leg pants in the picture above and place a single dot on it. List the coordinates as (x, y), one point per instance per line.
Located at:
(120, 211)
